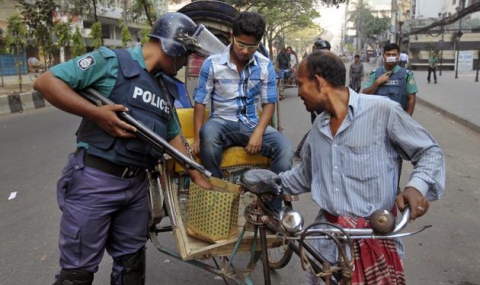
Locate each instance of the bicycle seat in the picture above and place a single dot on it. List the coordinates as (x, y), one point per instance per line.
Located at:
(261, 181)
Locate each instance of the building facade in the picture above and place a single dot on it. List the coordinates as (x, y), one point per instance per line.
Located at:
(443, 40)
(109, 13)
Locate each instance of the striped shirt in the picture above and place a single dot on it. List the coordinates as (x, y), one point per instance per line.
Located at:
(235, 96)
(356, 171)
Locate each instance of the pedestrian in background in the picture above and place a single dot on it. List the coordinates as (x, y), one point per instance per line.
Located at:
(403, 59)
(102, 191)
(432, 67)
(356, 73)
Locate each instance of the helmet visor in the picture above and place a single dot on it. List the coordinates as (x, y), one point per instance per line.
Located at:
(204, 43)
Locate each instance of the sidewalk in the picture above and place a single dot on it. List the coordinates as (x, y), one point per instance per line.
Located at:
(14, 101)
(458, 99)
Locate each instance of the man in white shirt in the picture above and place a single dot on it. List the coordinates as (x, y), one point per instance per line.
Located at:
(403, 59)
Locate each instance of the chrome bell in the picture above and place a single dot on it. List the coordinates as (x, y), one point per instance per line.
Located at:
(292, 221)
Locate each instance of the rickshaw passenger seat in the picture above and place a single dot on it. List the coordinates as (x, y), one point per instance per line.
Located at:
(233, 156)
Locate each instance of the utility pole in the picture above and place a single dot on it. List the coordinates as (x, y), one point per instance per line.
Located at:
(393, 22)
(358, 20)
(459, 35)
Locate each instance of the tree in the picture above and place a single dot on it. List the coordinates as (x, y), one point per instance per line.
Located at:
(368, 26)
(282, 16)
(2, 51)
(39, 18)
(96, 33)
(16, 40)
(145, 36)
(302, 39)
(85, 8)
(125, 33)
(78, 43)
(63, 36)
(144, 7)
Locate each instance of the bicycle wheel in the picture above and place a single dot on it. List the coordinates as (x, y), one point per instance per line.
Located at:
(278, 257)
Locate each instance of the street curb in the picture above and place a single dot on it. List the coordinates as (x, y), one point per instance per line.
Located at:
(17, 103)
(450, 115)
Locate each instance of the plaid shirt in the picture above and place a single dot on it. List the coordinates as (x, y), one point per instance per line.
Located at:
(234, 96)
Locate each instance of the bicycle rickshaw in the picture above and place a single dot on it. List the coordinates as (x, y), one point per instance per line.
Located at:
(261, 235)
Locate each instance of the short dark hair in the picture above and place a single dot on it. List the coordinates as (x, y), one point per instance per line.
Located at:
(328, 66)
(391, 46)
(357, 56)
(250, 24)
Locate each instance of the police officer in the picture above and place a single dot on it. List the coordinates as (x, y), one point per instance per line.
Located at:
(393, 81)
(321, 44)
(102, 191)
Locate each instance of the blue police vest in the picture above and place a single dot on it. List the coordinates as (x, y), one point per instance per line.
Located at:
(147, 102)
(395, 88)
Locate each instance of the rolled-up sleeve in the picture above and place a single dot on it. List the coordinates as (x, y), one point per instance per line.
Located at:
(269, 88)
(205, 83)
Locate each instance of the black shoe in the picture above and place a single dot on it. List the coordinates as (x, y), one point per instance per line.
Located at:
(435, 81)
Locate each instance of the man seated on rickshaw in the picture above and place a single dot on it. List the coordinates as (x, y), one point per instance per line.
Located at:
(233, 82)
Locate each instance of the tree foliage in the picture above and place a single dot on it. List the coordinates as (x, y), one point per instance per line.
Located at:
(96, 33)
(369, 27)
(141, 8)
(39, 18)
(126, 35)
(78, 43)
(2, 51)
(16, 40)
(302, 39)
(282, 16)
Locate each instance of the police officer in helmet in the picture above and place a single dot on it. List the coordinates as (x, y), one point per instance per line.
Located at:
(102, 191)
(321, 44)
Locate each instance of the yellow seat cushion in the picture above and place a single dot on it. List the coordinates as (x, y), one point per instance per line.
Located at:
(232, 156)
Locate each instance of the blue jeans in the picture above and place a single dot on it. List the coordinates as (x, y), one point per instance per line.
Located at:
(218, 134)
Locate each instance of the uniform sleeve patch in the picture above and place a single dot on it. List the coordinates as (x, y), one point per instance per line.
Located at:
(86, 62)
(411, 82)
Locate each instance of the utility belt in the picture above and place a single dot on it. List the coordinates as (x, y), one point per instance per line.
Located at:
(108, 167)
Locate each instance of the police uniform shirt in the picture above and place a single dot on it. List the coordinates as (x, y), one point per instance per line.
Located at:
(99, 70)
(411, 84)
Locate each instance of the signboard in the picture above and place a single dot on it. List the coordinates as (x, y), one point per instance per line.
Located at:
(465, 60)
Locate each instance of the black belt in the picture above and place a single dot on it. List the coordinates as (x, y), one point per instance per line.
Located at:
(109, 167)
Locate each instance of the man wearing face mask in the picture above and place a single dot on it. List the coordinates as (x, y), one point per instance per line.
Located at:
(393, 81)
(102, 191)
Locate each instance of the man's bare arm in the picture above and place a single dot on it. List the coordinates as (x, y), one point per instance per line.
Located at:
(411, 103)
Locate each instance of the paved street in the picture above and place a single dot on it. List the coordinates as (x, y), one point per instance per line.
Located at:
(34, 146)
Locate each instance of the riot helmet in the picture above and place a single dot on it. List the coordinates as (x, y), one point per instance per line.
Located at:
(321, 44)
(179, 35)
